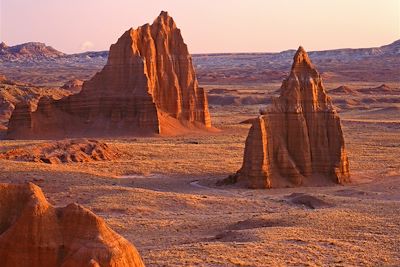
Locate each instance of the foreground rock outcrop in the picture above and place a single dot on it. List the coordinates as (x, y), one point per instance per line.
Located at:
(147, 86)
(65, 151)
(299, 139)
(33, 233)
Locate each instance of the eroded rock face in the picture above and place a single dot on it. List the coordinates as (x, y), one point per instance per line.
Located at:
(149, 74)
(299, 140)
(65, 151)
(35, 234)
(26, 95)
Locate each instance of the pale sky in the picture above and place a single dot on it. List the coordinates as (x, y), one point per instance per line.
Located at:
(207, 26)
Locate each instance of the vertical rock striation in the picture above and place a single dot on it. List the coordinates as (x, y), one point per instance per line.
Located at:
(35, 234)
(299, 140)
(149, 76)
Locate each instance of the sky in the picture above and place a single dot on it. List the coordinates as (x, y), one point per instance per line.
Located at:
(208, 26)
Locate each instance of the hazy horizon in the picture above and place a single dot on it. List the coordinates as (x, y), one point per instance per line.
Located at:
(226, 26)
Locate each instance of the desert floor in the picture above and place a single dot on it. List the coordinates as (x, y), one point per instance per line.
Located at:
(161, 195)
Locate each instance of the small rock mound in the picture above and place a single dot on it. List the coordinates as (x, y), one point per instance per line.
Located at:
(65, 151)
(379, 90)
(33, 233)
(308, 201)
(343, 89)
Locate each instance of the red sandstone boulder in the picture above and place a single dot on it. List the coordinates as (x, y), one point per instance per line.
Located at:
(299, 139)
(33, 233)
(147, 84)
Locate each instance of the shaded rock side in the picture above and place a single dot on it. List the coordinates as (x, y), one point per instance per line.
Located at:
(299, 139)
(149, 72)
(33, 233)
(13, 93)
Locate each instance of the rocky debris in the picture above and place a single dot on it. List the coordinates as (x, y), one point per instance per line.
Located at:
(73, 85)
(3, 78)
(299, 140)
(148, 81)
(308, 201)
(34, 233)
(65, 151)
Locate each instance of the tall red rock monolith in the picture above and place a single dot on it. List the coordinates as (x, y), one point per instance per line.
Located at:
(299, 139)
(148, 86)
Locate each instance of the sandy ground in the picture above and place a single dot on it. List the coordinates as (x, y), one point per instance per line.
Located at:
(161, 195)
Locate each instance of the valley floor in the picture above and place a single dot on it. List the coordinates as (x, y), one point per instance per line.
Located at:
(160, 194)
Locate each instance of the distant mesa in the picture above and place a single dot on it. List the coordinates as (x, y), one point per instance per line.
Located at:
(148, 86)
(28, 52)
(33, 233)
(64, 151)
(299, 140)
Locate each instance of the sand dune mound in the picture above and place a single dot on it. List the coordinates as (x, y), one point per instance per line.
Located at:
(65, 151)
(379, 90)
(33, 233)
(386, 110)
(308, 201)
(343, 90)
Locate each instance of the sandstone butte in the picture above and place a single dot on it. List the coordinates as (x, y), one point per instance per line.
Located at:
(33, 233)
(148, 86)
(299, 139)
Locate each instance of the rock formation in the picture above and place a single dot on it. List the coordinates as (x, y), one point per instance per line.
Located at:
(65, 151)
(343, 90)
(27, 95)
(299, 140)
(32, 51)
(147, 85)
(33, 233)
(73, 85)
